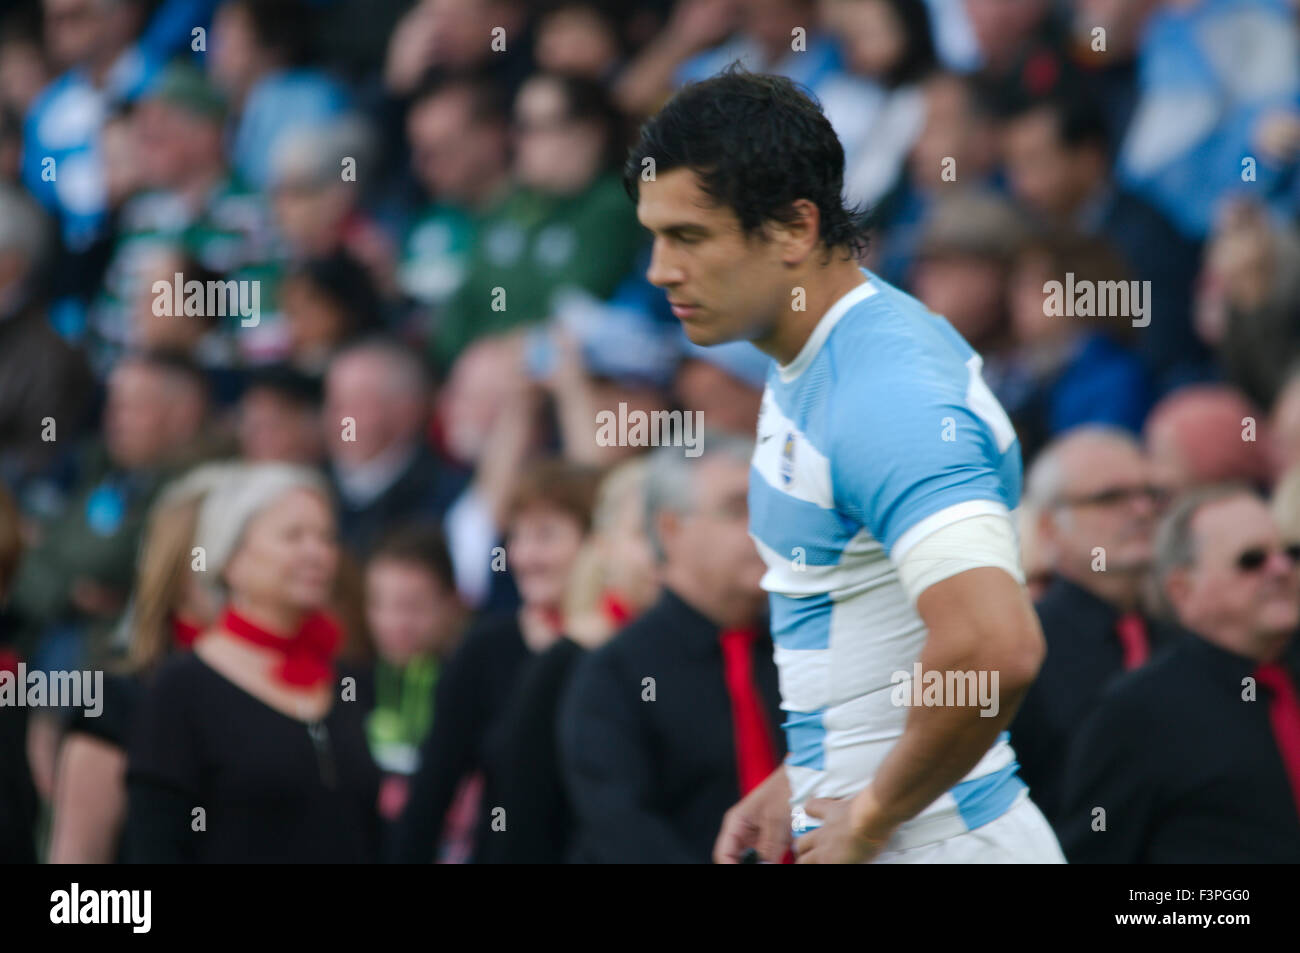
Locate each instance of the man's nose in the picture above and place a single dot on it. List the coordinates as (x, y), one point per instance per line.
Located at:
(661, 273)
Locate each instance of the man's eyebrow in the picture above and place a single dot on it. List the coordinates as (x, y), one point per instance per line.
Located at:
(682, 228)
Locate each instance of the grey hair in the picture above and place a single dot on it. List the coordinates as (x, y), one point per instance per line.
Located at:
(1045, 480)
(1175, 541)
(670, 479)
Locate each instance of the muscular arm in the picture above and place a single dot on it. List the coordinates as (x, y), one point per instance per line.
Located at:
(979, 620)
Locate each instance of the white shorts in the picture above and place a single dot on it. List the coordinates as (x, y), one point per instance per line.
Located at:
(1020, 836)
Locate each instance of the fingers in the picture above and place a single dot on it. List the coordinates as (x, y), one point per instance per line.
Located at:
(738, 833)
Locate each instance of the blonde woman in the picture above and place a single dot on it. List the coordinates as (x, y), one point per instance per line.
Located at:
(249, 726)
(168, 610)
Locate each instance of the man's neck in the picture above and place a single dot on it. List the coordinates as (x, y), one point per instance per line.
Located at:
(822, 289)
(723, 612)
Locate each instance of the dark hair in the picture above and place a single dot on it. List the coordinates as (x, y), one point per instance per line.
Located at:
(283, 26)
(489, 99)
(1076, 116)
(423, 546)
(586, 100)
(757, 144)
(177, 364)
(347, 284)
(557, 484)
(286, 382)
(919, 58)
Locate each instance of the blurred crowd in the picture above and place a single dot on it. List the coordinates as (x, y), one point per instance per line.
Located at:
(373, 426)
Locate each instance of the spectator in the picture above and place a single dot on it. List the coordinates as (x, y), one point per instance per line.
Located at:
(1058, 167)
(1097, 508)
(267, 666)
(580, 38)
(260, 60)
(1284, 423)
(1108, 68)
(650, 783)
(74, 581)
(614, 581)
(1249, 296)
(42, 378)
(703, 36)
(957, 149)
(416, 619)
(170, 607)
(454, 35)
(327, 303)
(377, 405)
(1206, 434)
(458, 129)
(1194, 758)
(962, 271)
(189, 202)
(1070, 370)
(724, 383)
(569, 223)
(878, 106)
(549, 516)
(279, 418)
(1201, 115)
(91, 43)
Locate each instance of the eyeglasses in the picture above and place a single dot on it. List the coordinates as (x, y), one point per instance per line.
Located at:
(1114, 496)
(1253, 559)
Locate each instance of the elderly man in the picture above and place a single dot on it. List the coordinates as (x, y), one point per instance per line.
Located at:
(377, 406)
(1096, 512)
(666, 726)
(1205, 434)
(1196, 758)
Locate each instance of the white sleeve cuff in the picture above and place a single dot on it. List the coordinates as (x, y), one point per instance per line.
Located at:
(983, 540)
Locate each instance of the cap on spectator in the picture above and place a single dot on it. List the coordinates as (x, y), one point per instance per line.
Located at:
(740, 359)
(619, 343)
(185, 87)
(973, 223)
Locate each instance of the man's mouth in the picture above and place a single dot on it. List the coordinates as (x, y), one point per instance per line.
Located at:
(682, 311)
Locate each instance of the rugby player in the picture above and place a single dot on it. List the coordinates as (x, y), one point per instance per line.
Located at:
(881, 491)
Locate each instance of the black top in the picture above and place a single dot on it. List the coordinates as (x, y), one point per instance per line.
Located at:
(123, 694)
(17, 795)
(473, 691)
(524, 746)
(273, 788)
(1083, 655)
(651, 779)
(423, 492)
(1186, 769)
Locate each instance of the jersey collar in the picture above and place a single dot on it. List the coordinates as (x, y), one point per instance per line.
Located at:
(824, 327)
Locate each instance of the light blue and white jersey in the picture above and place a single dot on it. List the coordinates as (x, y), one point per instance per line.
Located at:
(880, 432)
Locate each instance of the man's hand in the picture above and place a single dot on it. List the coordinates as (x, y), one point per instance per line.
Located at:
(851, 831)
(761, 820)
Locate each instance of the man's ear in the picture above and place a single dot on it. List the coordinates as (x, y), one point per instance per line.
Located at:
(1177, 586)
(800, 236)
(667, 526)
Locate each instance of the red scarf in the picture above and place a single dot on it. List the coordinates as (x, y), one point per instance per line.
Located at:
(308, 654)
(616, 610)
(185, 633)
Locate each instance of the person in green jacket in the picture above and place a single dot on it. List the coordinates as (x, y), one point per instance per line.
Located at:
(567, 223)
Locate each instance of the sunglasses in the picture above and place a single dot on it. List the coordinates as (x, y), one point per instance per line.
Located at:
(1253, 559)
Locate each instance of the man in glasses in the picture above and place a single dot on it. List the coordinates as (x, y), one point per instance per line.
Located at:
(1096, 514)
(1196, 758)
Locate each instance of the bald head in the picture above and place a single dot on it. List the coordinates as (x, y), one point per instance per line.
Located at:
(1097, 507)
(382, 389)
(1206, 434)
